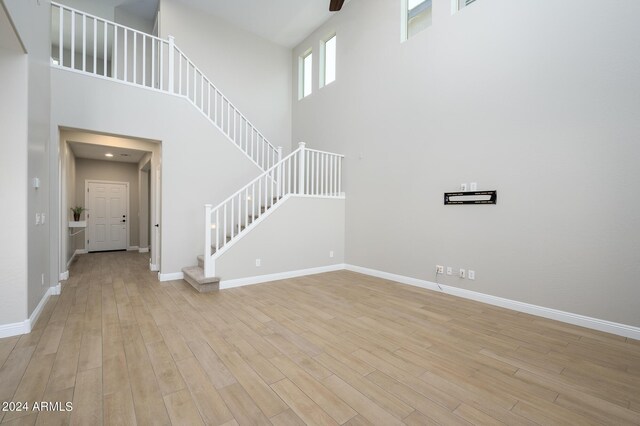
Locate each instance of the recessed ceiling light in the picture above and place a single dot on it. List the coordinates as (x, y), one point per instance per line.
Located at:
(108, 154)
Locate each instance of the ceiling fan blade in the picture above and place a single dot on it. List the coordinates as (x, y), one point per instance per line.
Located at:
(335, 5)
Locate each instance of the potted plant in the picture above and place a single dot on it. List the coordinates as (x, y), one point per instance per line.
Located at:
(77, 211)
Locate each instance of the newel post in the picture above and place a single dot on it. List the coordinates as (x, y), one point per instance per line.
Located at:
(208, 262)
(172, 49)
(301, 171)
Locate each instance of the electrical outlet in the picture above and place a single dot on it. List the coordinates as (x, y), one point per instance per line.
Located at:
(258, 262)
(331, 254)
(462, 273)
(42, 217)
(463, 187)
(37, 218)
(472, 274)
(439, 269)
(449, 270)
(474, 186)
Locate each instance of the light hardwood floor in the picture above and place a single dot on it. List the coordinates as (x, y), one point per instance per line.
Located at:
(335, 348)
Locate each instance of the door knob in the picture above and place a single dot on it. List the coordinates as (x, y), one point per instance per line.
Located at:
(123, 220)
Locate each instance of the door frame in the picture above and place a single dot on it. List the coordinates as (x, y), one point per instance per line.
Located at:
(156, 216)
(86, 203)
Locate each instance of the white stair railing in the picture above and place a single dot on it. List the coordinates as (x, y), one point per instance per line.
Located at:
(304, 172)
(88, 44)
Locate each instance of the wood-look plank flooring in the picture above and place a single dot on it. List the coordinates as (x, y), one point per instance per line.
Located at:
(334, 348)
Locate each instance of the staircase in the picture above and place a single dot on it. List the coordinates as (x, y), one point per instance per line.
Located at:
(303, 173)
(195, 275)
(90, 45)
(87, 44)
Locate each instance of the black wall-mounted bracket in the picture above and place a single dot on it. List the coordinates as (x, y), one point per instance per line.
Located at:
(470, 197)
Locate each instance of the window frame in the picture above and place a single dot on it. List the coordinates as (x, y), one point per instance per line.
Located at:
(404, 21)
(302, 74)
(323, 59)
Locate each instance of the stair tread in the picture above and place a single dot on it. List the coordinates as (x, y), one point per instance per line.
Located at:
(196, 273)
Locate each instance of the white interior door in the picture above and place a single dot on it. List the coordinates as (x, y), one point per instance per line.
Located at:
(107, 216)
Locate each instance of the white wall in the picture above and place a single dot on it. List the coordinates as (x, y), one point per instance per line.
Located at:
(297, 235)
(192, 148)
(98, 8)
(125, 17)
(33, 21)
(253, 73)
(13, 179)
(110, 171)
(538, 100)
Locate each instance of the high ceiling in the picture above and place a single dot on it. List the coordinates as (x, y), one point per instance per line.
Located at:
(284, 22)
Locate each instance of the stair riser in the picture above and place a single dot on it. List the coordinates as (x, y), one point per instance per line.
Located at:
(202, 288)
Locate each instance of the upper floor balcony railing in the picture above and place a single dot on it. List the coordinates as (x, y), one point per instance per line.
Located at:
(88, 44)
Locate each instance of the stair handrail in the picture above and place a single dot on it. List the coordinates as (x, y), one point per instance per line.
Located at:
(234, 126)
(151, 75)
(304, 172)
(261, 176)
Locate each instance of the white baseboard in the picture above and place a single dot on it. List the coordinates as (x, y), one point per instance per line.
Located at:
(56, 290)
(170, 277)
(239, 282)
(38, 310)
(24, 327)
(64, 275)
(14, 329)
(143, 250)
(133, 248)
(555, 314)
(73, 256)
